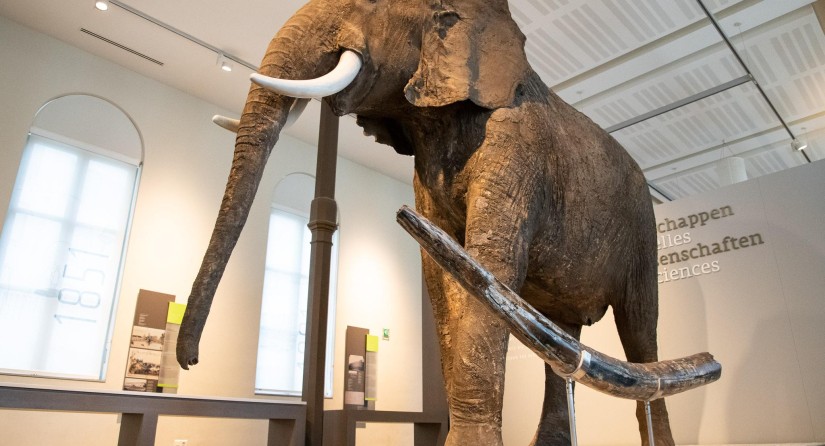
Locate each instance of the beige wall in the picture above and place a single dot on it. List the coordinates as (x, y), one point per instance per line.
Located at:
(762, 316)
(185, 167)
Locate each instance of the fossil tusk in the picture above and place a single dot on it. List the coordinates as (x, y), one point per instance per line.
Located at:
(564, 353)
(227, 123)
(326, 85)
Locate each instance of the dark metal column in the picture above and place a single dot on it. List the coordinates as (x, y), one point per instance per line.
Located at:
(322, 223)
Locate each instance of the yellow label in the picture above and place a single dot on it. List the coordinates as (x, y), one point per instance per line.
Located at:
(372, 343)
(175, 314)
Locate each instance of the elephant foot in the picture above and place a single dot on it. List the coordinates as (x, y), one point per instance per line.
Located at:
(661, 441)
(560, 437)
(474, 435)
(662, 435)
(661, 438)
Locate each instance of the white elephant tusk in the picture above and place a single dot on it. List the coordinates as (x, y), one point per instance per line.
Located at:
(336, 80)
(295, 112)
(227, 123)
(233, 124)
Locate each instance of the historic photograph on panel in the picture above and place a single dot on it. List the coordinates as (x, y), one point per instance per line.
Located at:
(146, 337)
(143, 363)
(355, 363)
(134, 384)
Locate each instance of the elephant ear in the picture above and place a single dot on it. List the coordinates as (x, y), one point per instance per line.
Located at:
(470, 50)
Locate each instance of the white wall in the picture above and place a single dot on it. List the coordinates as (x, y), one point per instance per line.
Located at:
(186, 163)
(762, 315)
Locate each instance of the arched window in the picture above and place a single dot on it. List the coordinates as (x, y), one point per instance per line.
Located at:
(63, 240)
(284, 305)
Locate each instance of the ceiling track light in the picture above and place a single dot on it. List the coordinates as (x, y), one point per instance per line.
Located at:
(798, 145)
(229, 60)
(102, 5)
(224, 63)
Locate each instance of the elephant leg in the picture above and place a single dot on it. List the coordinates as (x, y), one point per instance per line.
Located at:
(498, 237)
(473, 381)
(473, 340)
(554, 424)
(636, 319)
(469, 338)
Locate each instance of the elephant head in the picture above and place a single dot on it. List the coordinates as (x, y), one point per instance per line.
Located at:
(375, 58)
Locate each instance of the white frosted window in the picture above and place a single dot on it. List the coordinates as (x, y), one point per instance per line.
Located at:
(60, 255)
(284, 306)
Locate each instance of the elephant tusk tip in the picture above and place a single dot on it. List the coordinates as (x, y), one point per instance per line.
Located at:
(228, 123)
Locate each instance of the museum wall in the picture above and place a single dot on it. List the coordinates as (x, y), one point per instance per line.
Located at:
(756, 304)
(185, 165)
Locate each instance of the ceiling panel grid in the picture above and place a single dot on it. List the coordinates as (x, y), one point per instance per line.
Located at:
(568, 38)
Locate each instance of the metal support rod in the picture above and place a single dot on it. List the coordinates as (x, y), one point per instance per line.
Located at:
(748, 71)
(323, 223)
(805, 155)
(571, 411)
(658, 191)
(649, 424)
(180, 33)
(678, 104)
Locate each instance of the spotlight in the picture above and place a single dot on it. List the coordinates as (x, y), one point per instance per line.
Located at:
(102, 5)
(224, 63)
(798, 145)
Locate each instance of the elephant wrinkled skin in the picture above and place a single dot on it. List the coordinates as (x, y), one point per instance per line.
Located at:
(533, 189)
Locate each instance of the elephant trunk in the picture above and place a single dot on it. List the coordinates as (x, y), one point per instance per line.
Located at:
(264, 115)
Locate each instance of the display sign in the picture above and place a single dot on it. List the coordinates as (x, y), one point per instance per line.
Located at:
(687, 248)
(740, 276)
(355, 370)
(361, 371)
(146, 344)
(371, 385)
(170, 370)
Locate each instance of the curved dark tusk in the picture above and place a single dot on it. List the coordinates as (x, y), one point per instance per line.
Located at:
(227, 123)
(336, 80)
(566, 355)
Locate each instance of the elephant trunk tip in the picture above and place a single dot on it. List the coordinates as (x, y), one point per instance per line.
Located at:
(187, 345)
(186, 357)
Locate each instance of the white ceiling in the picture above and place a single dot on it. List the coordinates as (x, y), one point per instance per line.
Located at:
(612, 59)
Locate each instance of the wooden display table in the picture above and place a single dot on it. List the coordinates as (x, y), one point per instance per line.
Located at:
(140, 411)
(340, 425)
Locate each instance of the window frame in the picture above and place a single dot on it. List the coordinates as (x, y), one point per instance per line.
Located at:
(79, 146)
(329, 373)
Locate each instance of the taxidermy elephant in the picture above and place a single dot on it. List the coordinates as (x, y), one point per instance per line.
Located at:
(534, 190)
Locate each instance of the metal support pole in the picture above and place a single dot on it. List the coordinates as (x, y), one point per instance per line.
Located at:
(681, 103)
(571, 412)
(323, 223)
(749, 73)
(649, 424)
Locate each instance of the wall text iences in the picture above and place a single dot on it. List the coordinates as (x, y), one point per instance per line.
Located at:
(672, 264)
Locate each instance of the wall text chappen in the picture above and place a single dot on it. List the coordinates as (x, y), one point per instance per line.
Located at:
(671, 264)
